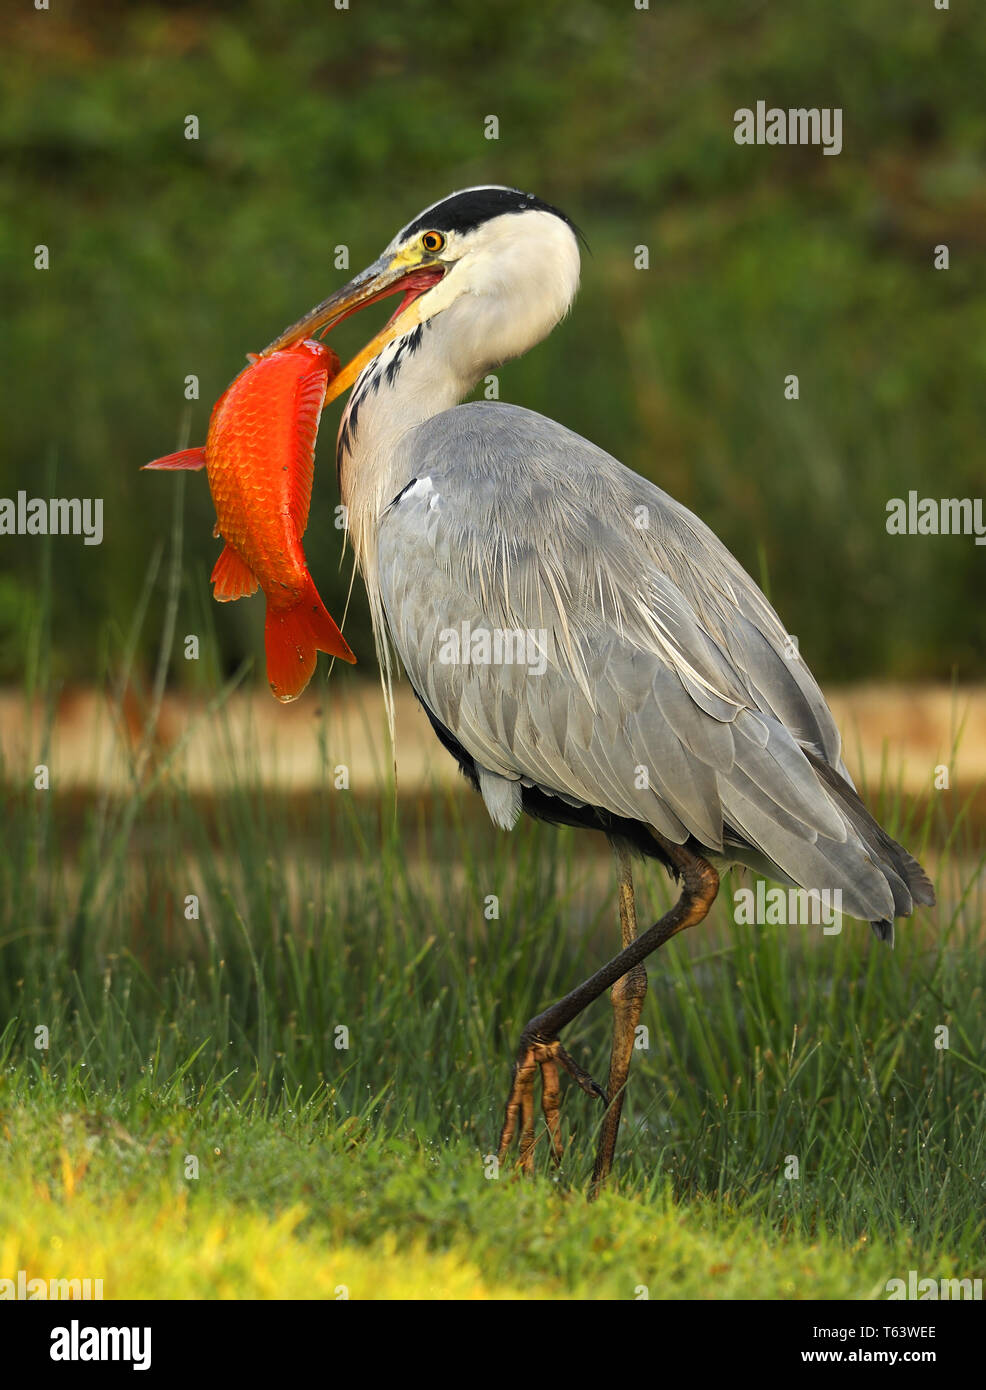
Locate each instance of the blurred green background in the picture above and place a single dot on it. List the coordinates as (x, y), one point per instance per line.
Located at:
(321, 127)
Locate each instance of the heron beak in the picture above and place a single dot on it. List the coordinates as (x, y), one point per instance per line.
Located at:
(403, 273)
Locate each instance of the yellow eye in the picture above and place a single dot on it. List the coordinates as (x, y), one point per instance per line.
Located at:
(433, 241)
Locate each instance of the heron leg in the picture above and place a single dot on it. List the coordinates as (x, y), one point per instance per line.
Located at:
(627, 996)
(539, 1044)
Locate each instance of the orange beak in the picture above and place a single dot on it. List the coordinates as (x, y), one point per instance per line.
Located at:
(385, 277)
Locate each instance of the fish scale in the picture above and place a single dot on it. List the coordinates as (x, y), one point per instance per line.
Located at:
(241, 423)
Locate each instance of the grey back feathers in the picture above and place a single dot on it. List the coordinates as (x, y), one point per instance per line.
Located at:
(653, 681)
(627, 667)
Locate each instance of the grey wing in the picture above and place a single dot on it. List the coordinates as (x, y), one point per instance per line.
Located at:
(639, 669)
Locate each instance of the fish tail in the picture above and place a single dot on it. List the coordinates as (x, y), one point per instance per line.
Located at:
(292, 636)
(185, 458)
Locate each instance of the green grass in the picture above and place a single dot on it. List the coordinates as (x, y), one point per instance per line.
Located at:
(295, 1205)
(366, 1165)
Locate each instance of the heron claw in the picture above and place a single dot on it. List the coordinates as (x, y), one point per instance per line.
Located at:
(537, 1053)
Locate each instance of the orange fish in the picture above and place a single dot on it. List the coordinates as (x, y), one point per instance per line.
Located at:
(259, 457)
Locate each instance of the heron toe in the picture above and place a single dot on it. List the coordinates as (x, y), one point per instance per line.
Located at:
(535, 1053)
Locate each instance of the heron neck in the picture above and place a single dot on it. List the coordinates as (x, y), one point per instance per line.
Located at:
(413, 378)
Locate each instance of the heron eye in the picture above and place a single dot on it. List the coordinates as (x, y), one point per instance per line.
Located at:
(433, 241)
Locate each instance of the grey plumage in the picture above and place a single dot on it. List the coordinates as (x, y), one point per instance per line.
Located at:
(661, 654)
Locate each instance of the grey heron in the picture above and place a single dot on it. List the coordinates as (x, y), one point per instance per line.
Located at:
(649, 690)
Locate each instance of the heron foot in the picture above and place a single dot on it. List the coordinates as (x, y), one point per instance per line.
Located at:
(535, 1053)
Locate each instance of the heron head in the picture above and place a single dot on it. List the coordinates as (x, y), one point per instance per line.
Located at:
(503, 263)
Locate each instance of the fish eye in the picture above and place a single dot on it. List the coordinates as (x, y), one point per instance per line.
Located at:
(433, 241)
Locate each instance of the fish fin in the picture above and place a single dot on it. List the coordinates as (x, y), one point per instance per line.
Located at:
(292, 637)
(307, 409)
(253, 356)
(232, 577)
(185, 458)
